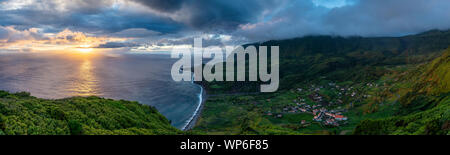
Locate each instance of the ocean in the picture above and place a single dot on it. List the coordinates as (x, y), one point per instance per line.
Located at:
(130, 76)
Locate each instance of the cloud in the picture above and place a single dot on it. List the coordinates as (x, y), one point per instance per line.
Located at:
(375, 18)
(207, 40)
(135, 33)
(162, 5)
(99, 16)
(241, 21)
(117, 45)
(208, 15)
(10, 34)
(34, 39)
(361, 17)
(70, 37)
(265, 20)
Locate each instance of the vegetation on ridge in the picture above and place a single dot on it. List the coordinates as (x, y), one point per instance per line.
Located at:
(22, 114)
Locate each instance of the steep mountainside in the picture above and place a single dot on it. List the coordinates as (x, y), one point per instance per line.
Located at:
(425, 107)
(382, 85)
(343, 58)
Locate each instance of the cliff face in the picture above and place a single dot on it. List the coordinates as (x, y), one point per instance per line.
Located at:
(22, 114)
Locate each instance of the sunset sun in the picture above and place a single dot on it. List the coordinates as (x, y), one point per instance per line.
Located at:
(85, 49)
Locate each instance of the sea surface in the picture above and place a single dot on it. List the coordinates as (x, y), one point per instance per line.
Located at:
(138, 77)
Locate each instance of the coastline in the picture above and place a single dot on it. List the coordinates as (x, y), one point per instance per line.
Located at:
(193, 120)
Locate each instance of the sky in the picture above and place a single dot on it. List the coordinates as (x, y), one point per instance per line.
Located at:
(157, 25)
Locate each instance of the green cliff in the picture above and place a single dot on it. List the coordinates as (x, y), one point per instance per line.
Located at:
(22, 114)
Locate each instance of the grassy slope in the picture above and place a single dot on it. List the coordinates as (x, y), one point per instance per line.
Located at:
(21, 114)
(425, 107)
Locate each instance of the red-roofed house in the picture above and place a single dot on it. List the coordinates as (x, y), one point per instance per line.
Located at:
(340, 118)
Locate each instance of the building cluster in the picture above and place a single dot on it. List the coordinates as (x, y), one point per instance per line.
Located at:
(328, 117)
(320, 107)
(320, 113)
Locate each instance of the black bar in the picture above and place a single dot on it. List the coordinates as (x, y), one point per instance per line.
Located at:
(324, 144)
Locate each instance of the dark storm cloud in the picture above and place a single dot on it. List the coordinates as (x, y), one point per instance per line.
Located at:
(162, 5)
(112, 21)
(216, 15)
(105, 21)
(220, 14)
(85, 15)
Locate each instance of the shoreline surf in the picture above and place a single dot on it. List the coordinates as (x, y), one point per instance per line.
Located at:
(194, 118)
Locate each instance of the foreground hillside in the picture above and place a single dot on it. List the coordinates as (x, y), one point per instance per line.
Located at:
(22, 114)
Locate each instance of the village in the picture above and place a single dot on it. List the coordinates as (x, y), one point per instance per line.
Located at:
(323, 110)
